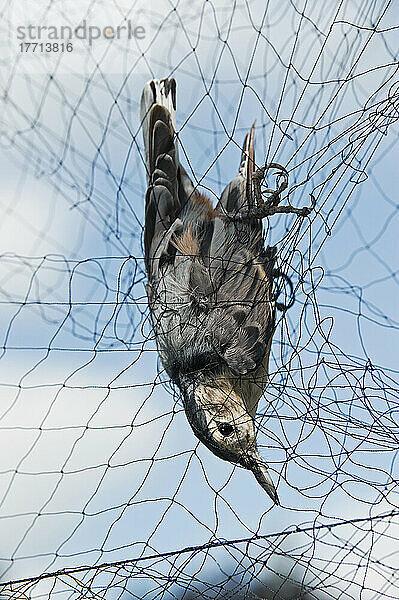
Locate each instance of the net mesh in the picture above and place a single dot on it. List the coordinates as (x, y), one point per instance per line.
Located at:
(105, 492)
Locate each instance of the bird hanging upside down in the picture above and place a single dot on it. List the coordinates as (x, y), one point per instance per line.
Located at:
(210, 286)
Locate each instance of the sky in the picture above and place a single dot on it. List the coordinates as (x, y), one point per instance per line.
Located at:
(97, 460)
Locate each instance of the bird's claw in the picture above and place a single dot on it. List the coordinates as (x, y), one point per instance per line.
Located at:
(275, 195)
(270, 206)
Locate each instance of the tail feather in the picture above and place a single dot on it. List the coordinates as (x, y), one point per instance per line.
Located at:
(160, 136)
(169, 186)
(158, 115)
(157, 92)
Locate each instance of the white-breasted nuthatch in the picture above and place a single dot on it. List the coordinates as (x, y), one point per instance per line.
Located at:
(210, 285)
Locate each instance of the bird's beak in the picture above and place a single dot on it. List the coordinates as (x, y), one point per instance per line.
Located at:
(259, 469)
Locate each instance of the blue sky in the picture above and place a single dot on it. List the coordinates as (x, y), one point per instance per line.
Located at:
(85, 410)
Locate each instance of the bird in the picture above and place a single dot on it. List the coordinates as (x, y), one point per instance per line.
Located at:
(210, 285)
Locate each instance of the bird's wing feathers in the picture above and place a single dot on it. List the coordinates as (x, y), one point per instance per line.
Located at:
(243, 325)
(237, 291)
(240, 347)
(238, 197)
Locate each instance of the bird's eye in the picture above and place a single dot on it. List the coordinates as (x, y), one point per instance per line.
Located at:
(225, 429)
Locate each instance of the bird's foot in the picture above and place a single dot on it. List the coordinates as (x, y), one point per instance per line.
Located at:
(270, 206)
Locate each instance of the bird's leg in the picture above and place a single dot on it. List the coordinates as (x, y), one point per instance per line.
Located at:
(270, 206)
(274, 198)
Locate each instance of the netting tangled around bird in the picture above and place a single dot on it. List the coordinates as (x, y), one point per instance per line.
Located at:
(105, 492)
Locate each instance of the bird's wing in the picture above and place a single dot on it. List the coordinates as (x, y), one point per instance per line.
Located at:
(238, 197)
(233, 283)
(241, 271)
(235, 275)
(242, 319)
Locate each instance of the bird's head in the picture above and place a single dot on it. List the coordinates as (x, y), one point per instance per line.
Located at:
(220, 420)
